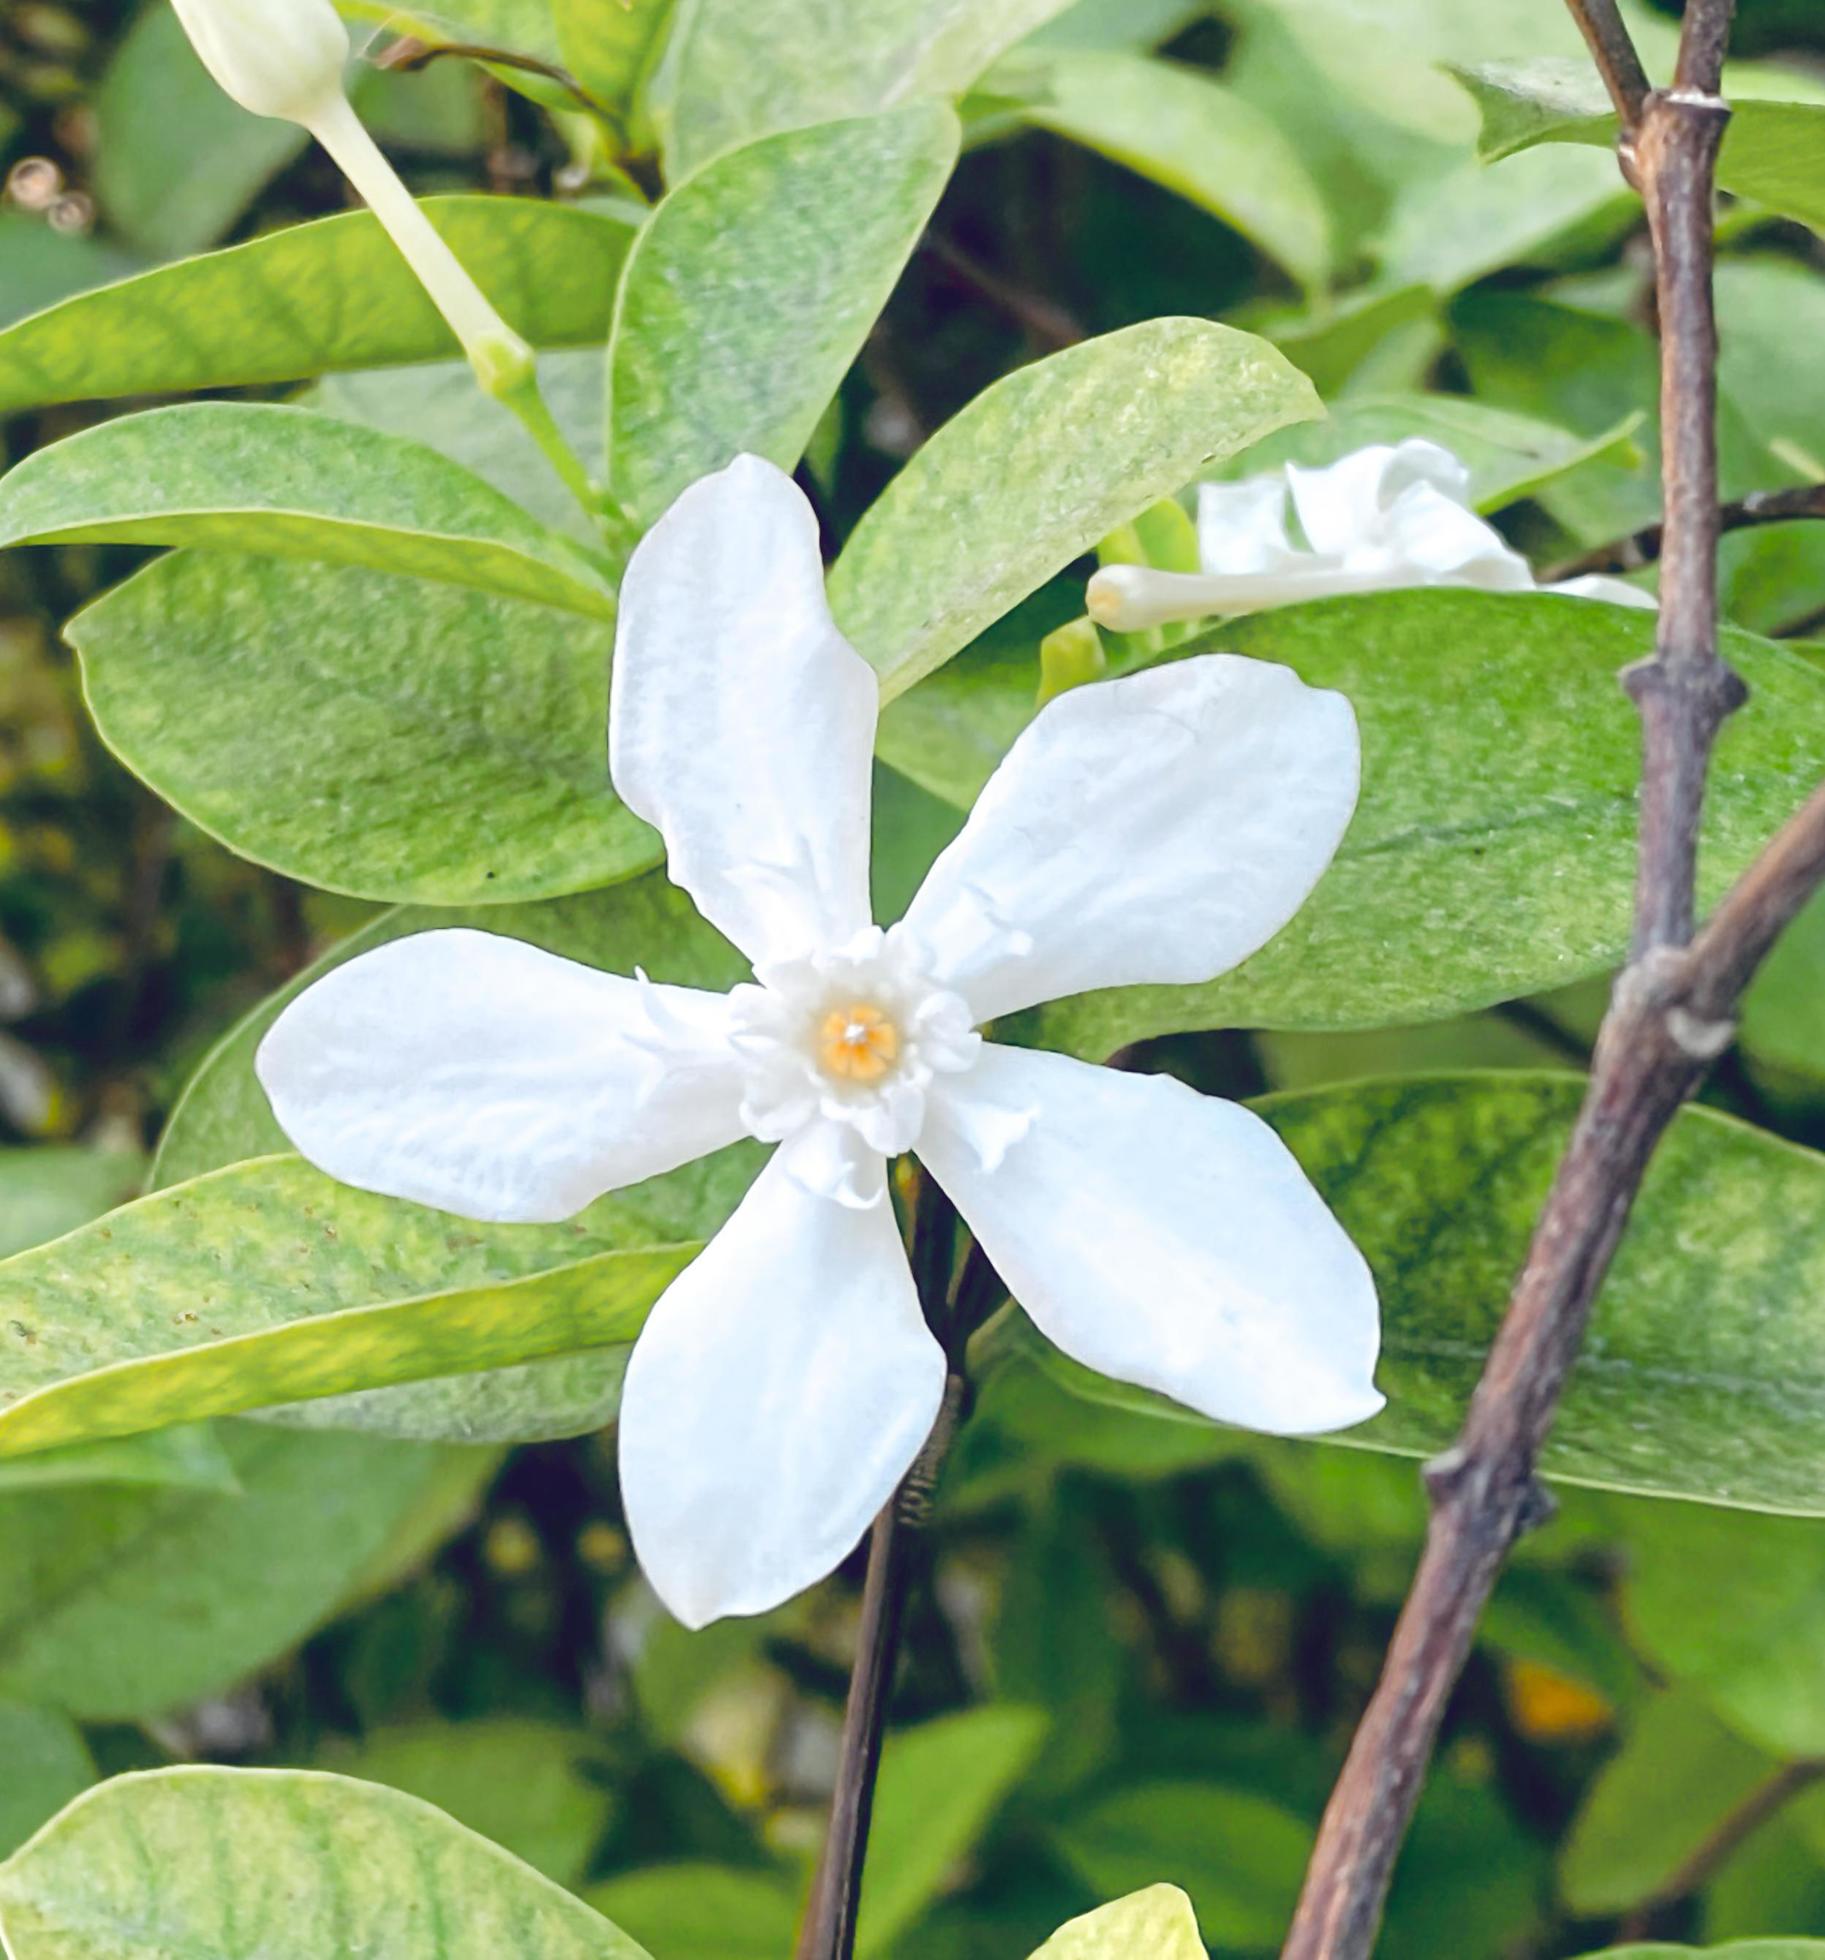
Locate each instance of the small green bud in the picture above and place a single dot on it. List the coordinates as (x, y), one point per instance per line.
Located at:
(502, 361)
(1069, 657)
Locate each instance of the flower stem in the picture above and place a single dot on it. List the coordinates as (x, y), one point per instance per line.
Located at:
(836, 1895)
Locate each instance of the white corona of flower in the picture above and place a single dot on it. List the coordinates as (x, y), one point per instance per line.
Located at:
(1377, 520)
(285, 59)
(1156, 828)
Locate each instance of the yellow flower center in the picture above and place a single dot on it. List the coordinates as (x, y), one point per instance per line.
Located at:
(858, 1043)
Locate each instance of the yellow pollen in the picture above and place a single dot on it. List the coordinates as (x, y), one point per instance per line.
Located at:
(858, 1043)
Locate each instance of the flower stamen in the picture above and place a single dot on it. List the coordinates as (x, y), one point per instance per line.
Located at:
(857, 1043)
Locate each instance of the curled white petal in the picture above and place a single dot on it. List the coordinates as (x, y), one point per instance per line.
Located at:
(741, 722)
(1153, 829)
(490, 1078)
(1617, 591)
(1164, 1238)
(778, 1393)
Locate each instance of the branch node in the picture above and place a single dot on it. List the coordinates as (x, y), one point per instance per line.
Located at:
(1704, 1040)
(1443, 1475)
(1538, 1507)
(1710, 686)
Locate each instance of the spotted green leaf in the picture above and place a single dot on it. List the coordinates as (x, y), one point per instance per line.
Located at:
(221, 1864)
(739, 69)
(1698, 1378)
(750, 290)
(439, 743)
(317, 297)
(287, 483)
(1038, 468)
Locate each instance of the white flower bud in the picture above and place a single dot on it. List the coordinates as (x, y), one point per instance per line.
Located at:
(280, 58)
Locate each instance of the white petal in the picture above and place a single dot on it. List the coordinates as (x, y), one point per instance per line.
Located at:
(777, 1395)
(1341, 505)
(1593, 585)
(488, 1077)
(1242, 526)
(1164, 1238)
(1427, 539)
(1157, 828)
(741, 722)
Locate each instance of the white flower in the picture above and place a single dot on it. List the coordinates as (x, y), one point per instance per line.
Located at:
(285, 59)
(1377, 520)
(1156, 828)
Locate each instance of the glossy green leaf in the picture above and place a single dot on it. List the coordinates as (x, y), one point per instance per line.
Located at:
(692, 1911)
(1698, 1377)
(287, 483)
(1773, 151)
(1492, 854)
(524, 1785)
(223, 1117)
(212, 1864)
(322, 296)
(1509, 456)
(1038, 468)
(939, 1786)
(1157, 1924)
(131, 1323)
(1184, 129)
(740, 69)
(751, 289)
(189, 1456)
(121, 1604)
(1679, 1772)
(441, 744)
(47, 1763)
(50, 1189)
(1240, 1856)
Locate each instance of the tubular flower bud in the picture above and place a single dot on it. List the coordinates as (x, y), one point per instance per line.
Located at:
(280, 58)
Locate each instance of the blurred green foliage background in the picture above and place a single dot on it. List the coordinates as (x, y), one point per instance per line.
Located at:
(1141, 1646)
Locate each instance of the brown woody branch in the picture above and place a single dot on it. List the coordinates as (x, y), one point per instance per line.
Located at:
(1643, 547)
(1669, 1017)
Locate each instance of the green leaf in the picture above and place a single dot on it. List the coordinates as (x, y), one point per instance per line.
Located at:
(1157, 1924)
(287, 483)
(120, 1604)
(189, 1456)
(751, 289)
(1699, 1377)
(129, 1324)
(209, 1863)
(1038, 468)
(610, 48)
(740, 69)
(1239, 1856)
(1678, 1773)
(522, 1784)
(1734, 1950)
(1774, 152)
(693, 1911)
(939, 1786)
(223, 1117)
(1184, 129)
(169, 193)
(1783, 1016)
(47, 1763)
(44, 266)
(1509, 456)
(333, 294)
(50, 1189)
(1494, 858)
(441, 744)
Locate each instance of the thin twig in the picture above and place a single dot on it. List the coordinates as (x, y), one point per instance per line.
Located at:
(1733, 1829)
(1668, 1018)
(1643, 547)
(1049, 324)
(836, 1894)
(1615, 56)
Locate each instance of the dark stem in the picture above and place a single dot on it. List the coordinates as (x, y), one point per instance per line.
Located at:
(1668, 1019)
(1731, 1832)
(1614, 53)
(829, 1930)
(1643, 547)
